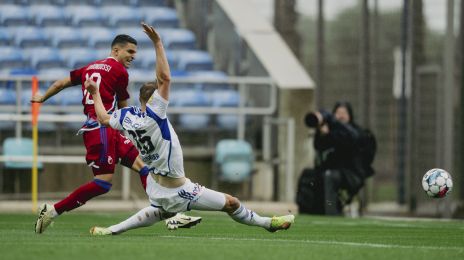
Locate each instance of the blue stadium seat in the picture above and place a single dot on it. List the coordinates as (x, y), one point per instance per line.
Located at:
(18, 147)
(29, 36)
(98, 37)
(14, 15)
(144, 3)
(72, 96)
(141, 75)
(57, 73)
(118, 16)
(227, 122)
(6, 37)
(160, 17)
(39, 2)
(44, 58)
(146, 59)
(12, 57)
(53, 74)
(74, 2)
(225, 98)
(103, 53)
(211, 75)
(23, 71)
(48, 15)
(194, 60)
(65, 37)
(74, 126)
(113, 2)
(235, 160)
(7, 125)
(85, 16)
(178, 39)
(7, 96)
(79, 57)
(194, 98)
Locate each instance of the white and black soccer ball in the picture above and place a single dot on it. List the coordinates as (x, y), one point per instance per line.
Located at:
(437, 183)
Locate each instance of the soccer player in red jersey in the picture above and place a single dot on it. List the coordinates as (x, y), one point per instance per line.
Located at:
(105, 146)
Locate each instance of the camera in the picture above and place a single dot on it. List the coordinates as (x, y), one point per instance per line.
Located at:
(315, 119)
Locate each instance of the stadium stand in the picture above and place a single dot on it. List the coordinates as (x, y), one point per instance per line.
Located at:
(13, 15)
(51, 37)
(7, 96)
(191, 98)
(72, 96)
(161, 17)
(82, 15)
(44, 58)
(29, 36)
(12, 57)
(98, 37)
(48, 15)
(65, 37)
(125, 16)
(5, 37)
(78, 57)
(194, 60)
(178, 39)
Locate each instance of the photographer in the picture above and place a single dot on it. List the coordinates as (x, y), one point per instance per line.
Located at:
(339, 168)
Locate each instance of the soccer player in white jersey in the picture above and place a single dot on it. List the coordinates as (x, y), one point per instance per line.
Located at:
(168, 189)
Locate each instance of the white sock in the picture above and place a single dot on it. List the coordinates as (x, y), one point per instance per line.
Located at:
(248, 217)
(144, 218)
(53, 212)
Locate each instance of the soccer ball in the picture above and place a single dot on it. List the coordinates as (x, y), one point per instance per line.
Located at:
(437, 183)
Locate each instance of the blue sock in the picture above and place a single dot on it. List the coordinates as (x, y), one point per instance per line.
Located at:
(144, 171)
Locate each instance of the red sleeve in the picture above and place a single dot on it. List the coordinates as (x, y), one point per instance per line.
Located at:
(121, 89)
(76, 76)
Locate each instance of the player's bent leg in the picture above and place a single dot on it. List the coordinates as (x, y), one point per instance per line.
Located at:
(241, 214)
(76, 199)
(82, 194)
(144, 218)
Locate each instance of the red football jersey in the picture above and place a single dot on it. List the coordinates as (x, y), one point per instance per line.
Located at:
(111, 77)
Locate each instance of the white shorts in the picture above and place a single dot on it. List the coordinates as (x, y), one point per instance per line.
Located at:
(184, 198)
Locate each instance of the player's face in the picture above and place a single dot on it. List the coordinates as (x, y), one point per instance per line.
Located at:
(342, 115)
(126, 54)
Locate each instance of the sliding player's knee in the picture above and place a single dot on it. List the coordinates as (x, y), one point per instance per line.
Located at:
(232, 204)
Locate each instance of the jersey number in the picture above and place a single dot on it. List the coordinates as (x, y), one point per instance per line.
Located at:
(95, 77)
(144, 143)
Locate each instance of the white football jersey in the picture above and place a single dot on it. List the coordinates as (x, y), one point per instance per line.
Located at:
(153, 135)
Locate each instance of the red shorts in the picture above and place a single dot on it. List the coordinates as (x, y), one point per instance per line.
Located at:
(105, 147)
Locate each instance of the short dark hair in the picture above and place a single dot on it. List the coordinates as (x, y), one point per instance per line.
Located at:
(123, 39)
(147, 90)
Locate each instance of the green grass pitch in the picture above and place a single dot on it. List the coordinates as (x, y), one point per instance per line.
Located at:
(219, 237)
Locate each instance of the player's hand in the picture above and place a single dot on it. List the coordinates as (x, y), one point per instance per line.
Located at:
(91, 86)
(37, 98)
(151, 32)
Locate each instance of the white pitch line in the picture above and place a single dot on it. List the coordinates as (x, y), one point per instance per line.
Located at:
(326, 242)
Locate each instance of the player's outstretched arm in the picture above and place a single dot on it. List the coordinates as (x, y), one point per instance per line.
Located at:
(163, 73)
(56, 87)
(100, 110)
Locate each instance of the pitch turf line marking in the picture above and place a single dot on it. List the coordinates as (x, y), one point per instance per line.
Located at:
(326, 242)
